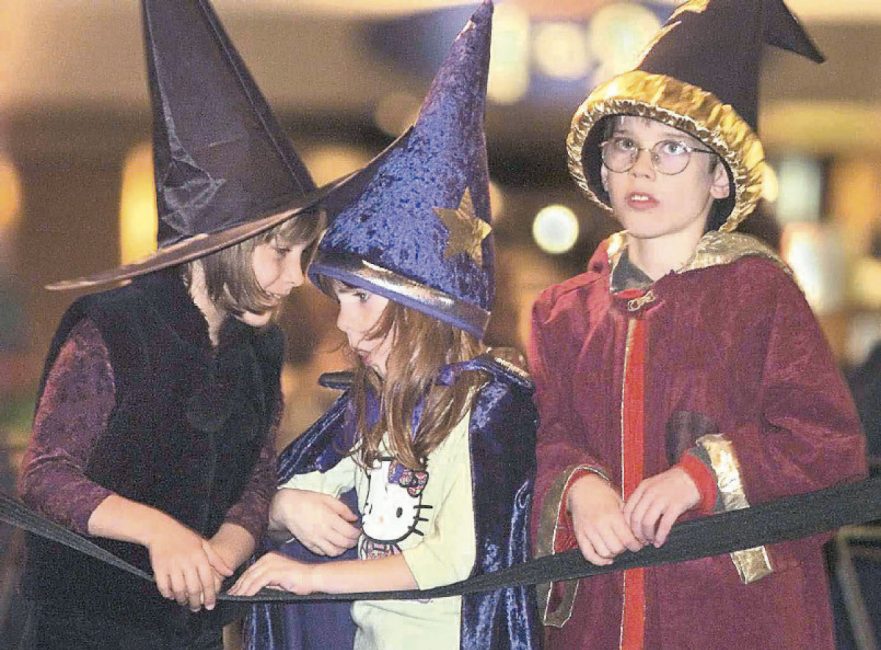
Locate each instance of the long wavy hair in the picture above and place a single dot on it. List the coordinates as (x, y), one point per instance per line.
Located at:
(421, 345)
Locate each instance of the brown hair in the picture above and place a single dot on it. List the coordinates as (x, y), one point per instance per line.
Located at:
(421, 345)
(229, 273)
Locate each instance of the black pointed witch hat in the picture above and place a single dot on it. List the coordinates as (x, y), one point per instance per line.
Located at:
(700, 74)
(224, 169)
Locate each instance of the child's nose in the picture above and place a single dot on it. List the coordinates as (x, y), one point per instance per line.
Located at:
(644, 164)
(293, 271)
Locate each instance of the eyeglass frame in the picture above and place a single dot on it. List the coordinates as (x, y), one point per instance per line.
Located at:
(652, 156)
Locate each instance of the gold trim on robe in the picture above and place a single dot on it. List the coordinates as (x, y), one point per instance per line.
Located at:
(546, 542)
(753, 563)
(714, 248)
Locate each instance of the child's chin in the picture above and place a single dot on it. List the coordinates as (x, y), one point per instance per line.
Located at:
(256, 319)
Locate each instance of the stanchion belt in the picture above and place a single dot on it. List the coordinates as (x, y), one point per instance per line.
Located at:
(777, 521)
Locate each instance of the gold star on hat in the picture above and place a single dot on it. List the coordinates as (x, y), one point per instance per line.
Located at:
(467, 232)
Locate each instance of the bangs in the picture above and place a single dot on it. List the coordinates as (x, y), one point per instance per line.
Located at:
(229, 273)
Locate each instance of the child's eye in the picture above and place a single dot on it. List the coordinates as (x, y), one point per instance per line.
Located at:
(362, 296)
(623, 144)
(281, 251)
(399, 512)
(673, 147)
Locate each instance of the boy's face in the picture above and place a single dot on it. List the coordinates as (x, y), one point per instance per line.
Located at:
(664, 207)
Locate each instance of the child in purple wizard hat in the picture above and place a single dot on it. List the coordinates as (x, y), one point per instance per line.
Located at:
(155, 425)
(684, 374)
(435, 433)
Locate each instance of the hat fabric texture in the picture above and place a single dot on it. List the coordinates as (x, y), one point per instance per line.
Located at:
(224, 169)
(419, 233)
(700, 74)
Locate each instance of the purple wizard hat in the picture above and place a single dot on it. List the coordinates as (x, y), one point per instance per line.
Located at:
(419, 232)
(224, 169)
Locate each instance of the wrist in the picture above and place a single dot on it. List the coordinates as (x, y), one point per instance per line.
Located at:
(152, 526)
(704, 481)
(280, 504)
(584, 479)
(315, 577)
(233, 543)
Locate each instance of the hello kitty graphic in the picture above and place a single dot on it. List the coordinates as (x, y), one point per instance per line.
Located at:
(393, 509)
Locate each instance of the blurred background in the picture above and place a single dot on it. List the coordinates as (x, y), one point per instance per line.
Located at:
(345, 77)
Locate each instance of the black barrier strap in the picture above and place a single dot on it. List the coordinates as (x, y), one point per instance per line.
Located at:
(15, 513)
(777, 521)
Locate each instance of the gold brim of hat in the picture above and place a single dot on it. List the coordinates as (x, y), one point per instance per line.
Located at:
(682, 106)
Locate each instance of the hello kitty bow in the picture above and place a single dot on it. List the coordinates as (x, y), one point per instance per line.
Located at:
(413, 480)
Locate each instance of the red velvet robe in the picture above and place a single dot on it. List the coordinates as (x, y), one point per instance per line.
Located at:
(724, 361)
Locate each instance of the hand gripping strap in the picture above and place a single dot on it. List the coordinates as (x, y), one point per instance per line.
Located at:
(786, 519)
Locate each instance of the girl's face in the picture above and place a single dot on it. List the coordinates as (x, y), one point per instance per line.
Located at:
(654, 206)
(360, 311)
(277, 267)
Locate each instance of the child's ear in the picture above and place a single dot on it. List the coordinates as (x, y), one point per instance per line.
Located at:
(721, 187)
(604, 178)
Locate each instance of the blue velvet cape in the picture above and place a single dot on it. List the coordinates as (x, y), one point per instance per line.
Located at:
(502, 443)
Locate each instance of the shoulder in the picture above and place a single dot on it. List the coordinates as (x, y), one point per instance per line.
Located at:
(563, 294)
(108, 312)
(735, 254)
(504, 366)
(504, 402)
(754, 279)
(571, 294)
(739, 266)
(82, 353)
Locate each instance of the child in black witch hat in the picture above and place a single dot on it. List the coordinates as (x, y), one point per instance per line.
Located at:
(684, 373)
(154, 430)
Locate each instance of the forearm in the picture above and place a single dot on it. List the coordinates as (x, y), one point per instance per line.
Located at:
(383, 574)
(234, 544)
(127, 521)
(251, 511)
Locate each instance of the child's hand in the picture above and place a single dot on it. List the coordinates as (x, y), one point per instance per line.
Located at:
(183, 565)
(276, 571)
(663, 498)
(322, 523)
(600, 527)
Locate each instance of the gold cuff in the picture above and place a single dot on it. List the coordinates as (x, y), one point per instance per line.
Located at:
(546, 542)
(752, 564)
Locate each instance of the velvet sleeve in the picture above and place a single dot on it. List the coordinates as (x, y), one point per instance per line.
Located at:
(809, 436)
(251, 511)
(561, 448)
(562, 454)
(72, 414)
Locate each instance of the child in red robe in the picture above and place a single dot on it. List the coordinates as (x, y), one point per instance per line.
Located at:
(684, 374)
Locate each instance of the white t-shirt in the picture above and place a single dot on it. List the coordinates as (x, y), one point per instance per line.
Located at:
(427, 517)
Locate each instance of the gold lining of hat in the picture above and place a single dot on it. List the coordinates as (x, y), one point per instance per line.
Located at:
(682, 106)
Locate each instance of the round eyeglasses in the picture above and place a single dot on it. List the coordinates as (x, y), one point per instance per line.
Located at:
(668, 157)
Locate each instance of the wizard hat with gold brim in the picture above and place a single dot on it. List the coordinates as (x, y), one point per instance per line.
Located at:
(700, 74)
(224, 169)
